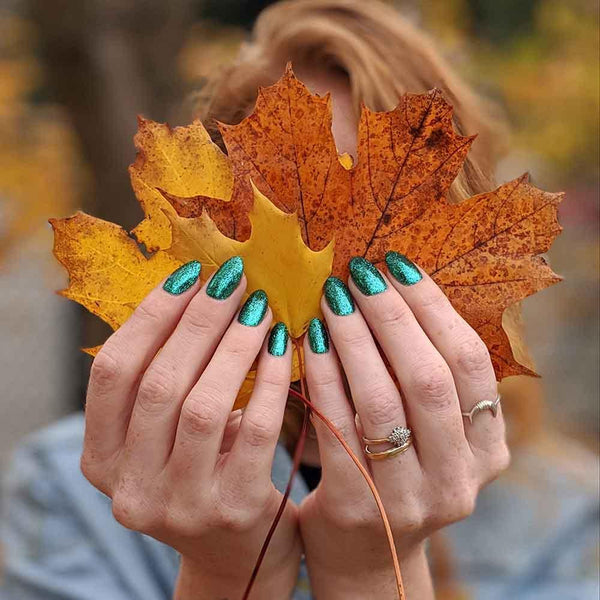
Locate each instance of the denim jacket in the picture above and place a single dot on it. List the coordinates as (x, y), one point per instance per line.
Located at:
(529, 538)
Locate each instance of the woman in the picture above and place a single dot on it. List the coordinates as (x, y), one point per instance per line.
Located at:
(160, 440)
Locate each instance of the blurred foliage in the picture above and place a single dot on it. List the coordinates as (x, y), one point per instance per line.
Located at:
(40, 171)
(540, 58)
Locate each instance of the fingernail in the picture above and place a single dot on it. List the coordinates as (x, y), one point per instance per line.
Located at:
(278, 339)
(366, 277)
(226, 279)
(183, 278)
(402, 268)
(254, 309)
(338, 297)
(318, 339)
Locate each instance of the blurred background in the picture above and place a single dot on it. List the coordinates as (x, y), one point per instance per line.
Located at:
(75, 73)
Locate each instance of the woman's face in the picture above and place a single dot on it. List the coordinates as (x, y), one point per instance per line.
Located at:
(344, 127)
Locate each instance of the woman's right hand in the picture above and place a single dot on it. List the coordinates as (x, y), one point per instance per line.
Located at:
(162, 442)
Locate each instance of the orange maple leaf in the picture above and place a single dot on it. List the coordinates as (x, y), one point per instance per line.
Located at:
(483, 252)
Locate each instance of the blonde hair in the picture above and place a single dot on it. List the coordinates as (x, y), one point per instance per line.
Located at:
(381, 53)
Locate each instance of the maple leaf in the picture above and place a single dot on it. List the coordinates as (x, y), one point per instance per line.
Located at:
(108, 274)
(483, 252)
(183, 161)
(275, 259)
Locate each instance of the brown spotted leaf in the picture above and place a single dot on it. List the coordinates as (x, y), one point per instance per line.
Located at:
(484, 252)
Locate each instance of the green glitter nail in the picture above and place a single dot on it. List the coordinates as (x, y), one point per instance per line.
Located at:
(366, 277)
(278, 339)
(254, 309)
(402, 268)
(183, 278)
(317, 337)
(226, 279)
(338, 297)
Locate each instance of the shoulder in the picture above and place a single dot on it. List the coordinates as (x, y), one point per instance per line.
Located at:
(54, 521)
(42, 458)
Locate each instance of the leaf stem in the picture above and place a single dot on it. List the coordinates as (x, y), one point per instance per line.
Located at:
(371, 484)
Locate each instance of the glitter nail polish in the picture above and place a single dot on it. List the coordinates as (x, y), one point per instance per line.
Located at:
(338, 297)
(226, 279)
(183, 278)
(254, 309)
(366, 277)
(318, 339)
(278, 339)
(402, 268)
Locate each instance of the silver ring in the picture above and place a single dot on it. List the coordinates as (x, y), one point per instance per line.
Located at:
(481, 406)
(398, 437)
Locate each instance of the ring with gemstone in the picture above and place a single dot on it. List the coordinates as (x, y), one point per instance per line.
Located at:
(399, 437)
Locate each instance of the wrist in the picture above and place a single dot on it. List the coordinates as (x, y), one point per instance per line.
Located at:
(357, 584)
(197, 581)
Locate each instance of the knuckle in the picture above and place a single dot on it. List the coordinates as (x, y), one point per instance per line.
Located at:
(274, 381)
(199, 416)
(236, 351)
(257, 430)
(383, 402)
(323, 381)
(354, 337)
(498, 461)
(197, 322)
(455, 504)
(409, 521)
(156, 389)
(472, 356)
(434, 301)
(90, 469)
(105, 372)
(394, 316)
(149, 312)
(433, 385)
(133, 512)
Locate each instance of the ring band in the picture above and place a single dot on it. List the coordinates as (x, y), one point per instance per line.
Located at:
(387, 453)
(482, 405)
(398, 437)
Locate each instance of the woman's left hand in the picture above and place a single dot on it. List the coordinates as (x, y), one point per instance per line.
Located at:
(443, 368)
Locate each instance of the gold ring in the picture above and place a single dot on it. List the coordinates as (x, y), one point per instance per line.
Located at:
(387, 453)
(398, 437)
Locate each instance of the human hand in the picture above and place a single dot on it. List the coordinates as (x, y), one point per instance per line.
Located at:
(162, 442)
(443, 368)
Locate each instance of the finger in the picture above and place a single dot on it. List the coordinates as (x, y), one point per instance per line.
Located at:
(427, 386)
(117, 369)
(254, 448)
(327, 394)
(205, 411)
(461, 347)
(375, 396)
(178, 366)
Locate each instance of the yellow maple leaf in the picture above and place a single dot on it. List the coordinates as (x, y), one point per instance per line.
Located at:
(184, 162)
(293, 284)
(108, 274)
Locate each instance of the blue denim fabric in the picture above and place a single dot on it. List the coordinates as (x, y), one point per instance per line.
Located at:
(526, 542)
